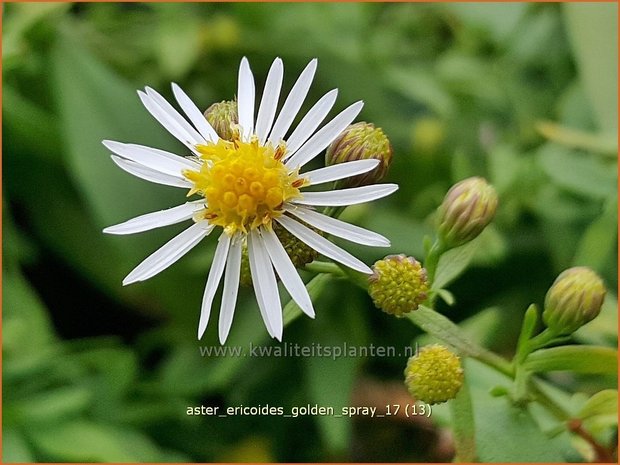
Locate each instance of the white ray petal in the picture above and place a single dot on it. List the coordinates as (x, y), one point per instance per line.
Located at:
(269, 101)
(293, 103)
(213, 281)
(339, 228)
(324, 136)
(158, 160)
(174, 114)
(168, 122)
(340, 171)
(194, 114)
(352, 196)
(310, 122)
(157, 219)
(169, 253)
(287, 272)
(245, 100)
(322, 245)
(265, 286)
(150, 174)
(231, 288)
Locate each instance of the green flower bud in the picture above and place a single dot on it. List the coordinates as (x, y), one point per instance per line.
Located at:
(434, 375)
(574, 299)
(468, 207)
(224, 119)
(299, 253)
(361, 141)
(398, 284)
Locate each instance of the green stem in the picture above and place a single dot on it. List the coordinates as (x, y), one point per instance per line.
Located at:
(324, 267)
(444, 329)
(432, 259)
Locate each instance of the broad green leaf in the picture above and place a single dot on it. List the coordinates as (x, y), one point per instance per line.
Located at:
(593, 30)
(453, 263)
(24, 118)
(505, 433)
(579, 173)
(578, 359)
(95, 104)
(85, 441)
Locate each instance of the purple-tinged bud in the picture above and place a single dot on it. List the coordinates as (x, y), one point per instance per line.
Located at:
(224, 118)
(361, 141)
(468, 207)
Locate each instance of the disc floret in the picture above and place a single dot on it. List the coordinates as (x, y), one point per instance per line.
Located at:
(245, 184)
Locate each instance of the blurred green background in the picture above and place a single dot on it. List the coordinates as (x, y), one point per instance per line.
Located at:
(523, 94)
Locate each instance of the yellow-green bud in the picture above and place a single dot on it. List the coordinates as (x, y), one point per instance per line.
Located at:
(468, 207)
(224, 118)
(361, 141)
(574, 299)
(298, 251)
(434, 375)
(398, 284)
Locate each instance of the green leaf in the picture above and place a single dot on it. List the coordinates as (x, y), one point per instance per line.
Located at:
(510, 434)
(463, 425)
(453, 263)
(95, 104)
(15, 448)
(323, 373)
(499, 19)
(420, 86)
(527, 329)
(54, 405)
(315, 287)
(505, 433)
(85, 441)
(598, 244)
(579, 173)
(593, 30)
(578, 359)
(603, 403)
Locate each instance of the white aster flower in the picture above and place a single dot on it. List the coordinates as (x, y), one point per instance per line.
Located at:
(244, 186)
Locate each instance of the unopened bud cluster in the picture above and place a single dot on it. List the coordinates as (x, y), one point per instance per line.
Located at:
(361, 141)
(434, 375)
(398, 284)
(223, 116)
(574, 299)
(469, 206)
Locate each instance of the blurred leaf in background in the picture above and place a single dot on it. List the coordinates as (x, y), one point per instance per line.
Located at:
(523, 94)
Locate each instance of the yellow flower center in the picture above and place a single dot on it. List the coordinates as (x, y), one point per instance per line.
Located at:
(244, 183)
